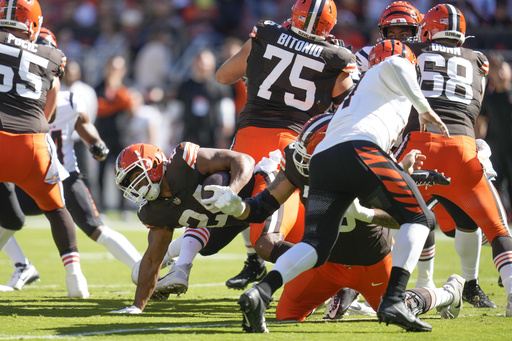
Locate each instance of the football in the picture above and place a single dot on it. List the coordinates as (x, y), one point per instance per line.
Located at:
(218, 178)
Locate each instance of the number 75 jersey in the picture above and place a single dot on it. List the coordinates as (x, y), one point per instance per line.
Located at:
(452, 82)
(27, 70)
(290, 78)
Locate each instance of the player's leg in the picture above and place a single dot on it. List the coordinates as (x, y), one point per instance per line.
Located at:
(83, 210)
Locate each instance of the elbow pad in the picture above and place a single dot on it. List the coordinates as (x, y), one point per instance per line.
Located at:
(262, 205)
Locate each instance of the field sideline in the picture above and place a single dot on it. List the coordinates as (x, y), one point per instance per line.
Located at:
(208, 311)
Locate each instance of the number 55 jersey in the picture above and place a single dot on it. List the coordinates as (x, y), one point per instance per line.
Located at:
(290, 78)
(28, 70)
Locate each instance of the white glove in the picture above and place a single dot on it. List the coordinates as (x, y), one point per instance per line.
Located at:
(225, 200)
(484, 156)
(359, 212)
(128, 310)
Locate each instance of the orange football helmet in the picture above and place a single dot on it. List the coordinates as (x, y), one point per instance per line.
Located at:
(443, 21)
(151, 161)
(313, 18)
(399, 13)
(312, 133)
(24, 15)
(390, 47)
(46, 37)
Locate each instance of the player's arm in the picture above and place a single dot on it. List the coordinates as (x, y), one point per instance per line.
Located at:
(371, 215)
(342, 88)
(159, 239)
(51, 99)
(235, 67)
(265, 203)
(240, 165)
(89, 134)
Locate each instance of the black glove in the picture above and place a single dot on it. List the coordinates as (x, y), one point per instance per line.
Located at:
(99, 150)
(429, 178)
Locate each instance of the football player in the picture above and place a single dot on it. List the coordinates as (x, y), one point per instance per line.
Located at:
(71, 116)
(399, 20)
(357, 143)
(29, 97)
(169, 193)
(292, 73)
(453, 80)
(361, 256)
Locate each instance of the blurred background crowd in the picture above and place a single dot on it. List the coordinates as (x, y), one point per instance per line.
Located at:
(147, 68)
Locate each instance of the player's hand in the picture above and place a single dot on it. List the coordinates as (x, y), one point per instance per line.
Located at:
(99, 151)
(224, 199)
(356, 211)
(413, 161)
(431, 117)
(128, 310)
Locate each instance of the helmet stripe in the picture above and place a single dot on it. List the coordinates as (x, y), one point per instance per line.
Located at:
(10, 9)
(397, 12)
(318, 122)
(315, 12)
(453, 18)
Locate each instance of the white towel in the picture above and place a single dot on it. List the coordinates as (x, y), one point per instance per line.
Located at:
(56, 172)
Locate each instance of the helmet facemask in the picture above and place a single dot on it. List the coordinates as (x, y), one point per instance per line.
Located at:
(137, 189)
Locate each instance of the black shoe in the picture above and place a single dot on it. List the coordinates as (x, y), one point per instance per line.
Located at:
(474, 295)
(253, 304)
(254, 270)
(393, 310)
(340, 304)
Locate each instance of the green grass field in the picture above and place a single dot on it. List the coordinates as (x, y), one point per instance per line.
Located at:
(208, 311)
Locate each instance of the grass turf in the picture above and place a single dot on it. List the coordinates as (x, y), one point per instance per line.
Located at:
(208, 311)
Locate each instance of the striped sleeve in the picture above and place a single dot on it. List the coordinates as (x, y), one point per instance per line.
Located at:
(189, 153)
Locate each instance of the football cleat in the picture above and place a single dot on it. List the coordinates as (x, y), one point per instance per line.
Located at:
(362, 309)
(253, 304)
(4, 288)
(425, 177)
(175, 282)
(473, 294)
(394, 310)
(254, 270)
(340, 303)
(23, 274)
(76, 285)
(454, 285)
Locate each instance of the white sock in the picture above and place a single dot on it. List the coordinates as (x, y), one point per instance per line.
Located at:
(13, 250)
(173, 251)
(442, 297)
(193, 241)
(246, 236)
(409, 243)
(299, 258)
(468, 246)
(119, 246)
(506, 276)
(71, 263)
(5, 235)
(426, 268)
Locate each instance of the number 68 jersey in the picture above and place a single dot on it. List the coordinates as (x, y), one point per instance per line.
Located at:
(290, 78)
(27, 72)
(452, 82)
(184, 208)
